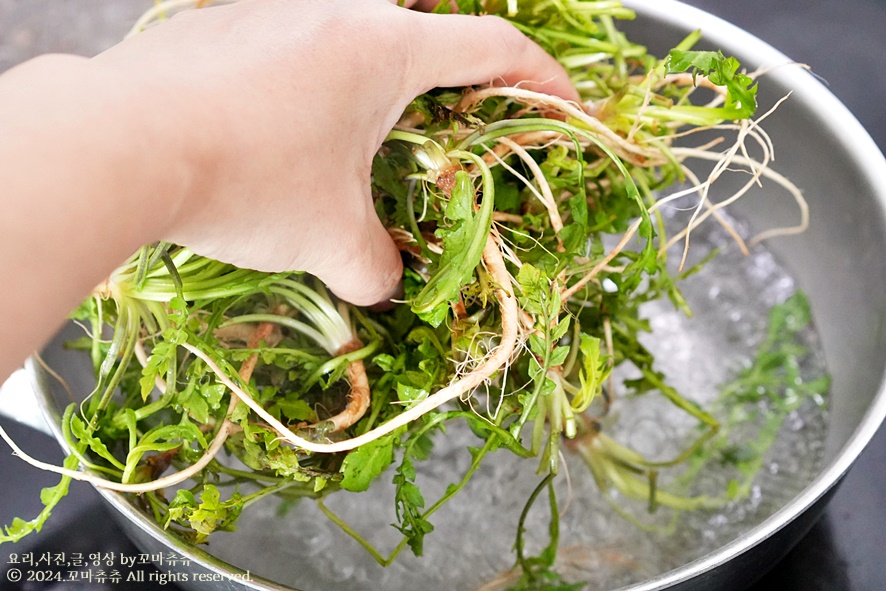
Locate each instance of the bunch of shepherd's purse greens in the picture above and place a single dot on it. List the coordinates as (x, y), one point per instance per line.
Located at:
(500, 199)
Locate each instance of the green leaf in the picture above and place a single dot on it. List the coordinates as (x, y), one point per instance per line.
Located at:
(85, 435)
(741, 90)
(592, 375)
(560, 330)
(213, 394)
(296, 410)
(213, 514)
(50, 497)
(367, 462)
(156, 367)
(559, 355)
(461, 201)
(407, 393)
(578, 203)
(387, 363)
(183, 502)
(535, 288)
(463, 246)
(411, 495)
(191, 401)
(537, 345)
(574, 237)
(240, 414)
(178, 309)
(435, 315)
(409, 499)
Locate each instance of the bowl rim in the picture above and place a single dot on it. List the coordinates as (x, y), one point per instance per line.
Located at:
(858, 144)
(853, 139)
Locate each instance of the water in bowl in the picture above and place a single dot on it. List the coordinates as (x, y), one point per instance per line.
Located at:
(472, 545)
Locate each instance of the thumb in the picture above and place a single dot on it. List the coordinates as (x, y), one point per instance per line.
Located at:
(463, 50)
(363, 265)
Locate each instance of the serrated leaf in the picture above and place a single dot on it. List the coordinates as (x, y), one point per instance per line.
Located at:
(156, 367)
(50, 497)
(534, 287)
(593, 374)
(561, 328)
(212, 514)
(86, 436)
(741, 101)
(559, 355)
(537, 345)
(366, 463)
(463, 246)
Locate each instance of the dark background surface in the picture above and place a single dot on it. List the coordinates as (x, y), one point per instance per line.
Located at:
(844, 42)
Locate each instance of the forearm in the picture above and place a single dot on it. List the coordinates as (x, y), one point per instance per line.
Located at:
(87, 176)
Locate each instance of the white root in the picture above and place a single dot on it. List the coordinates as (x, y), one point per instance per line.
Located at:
(359, 396)
(727, 227)
(756, 169)
(546, 196)
(767, 173)
(499, 356)
(171, 480)
(629, 151)
(164, 482)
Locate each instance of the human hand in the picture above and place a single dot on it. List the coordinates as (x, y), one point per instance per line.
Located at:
(278, 107)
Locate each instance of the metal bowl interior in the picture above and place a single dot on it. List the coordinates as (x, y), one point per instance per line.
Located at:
(838, 262)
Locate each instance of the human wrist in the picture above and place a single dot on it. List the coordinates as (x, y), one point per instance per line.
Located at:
(86, 180)
(110, 129)
(156, 143)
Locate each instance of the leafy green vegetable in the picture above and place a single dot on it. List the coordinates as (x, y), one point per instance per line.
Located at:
(532, 239)
(741, 96)
(367, 462)
(758, 401)
(463, 245)
(50, 497)
(208, 515)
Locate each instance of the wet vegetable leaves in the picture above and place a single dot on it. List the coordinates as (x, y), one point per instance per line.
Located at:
(772, 387)
(208, 515)
(410, 503)
(463, 244)
(367, 462)
(741, 98)
(50, 497)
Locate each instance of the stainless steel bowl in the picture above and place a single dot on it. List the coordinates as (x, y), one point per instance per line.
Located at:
(839, 262)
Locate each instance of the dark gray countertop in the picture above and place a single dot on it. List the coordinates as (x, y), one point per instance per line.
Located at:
(844, 42)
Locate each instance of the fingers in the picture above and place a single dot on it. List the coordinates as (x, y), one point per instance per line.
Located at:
(424, 5)
(446, 50)
(364, 266)
(428, 5)
(463, 50)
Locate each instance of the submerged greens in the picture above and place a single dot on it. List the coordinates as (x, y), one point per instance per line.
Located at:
(532, 236)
